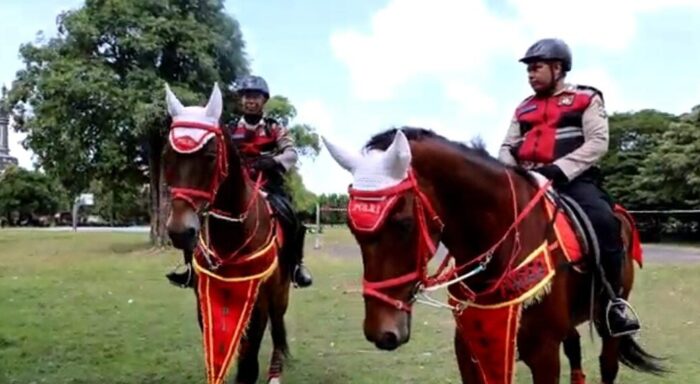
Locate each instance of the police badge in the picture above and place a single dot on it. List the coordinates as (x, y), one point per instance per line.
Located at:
(566, 100)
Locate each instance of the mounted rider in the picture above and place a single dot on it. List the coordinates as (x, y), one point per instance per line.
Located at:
(267, 146)
(562, 133)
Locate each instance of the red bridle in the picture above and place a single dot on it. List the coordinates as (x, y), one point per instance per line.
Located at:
(367, 211)
(191, 195)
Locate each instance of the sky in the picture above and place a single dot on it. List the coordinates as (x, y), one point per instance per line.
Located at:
(353, 68)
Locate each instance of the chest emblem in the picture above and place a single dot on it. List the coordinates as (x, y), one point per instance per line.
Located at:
(566, 100)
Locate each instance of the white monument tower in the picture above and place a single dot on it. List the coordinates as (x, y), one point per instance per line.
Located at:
(5, 159)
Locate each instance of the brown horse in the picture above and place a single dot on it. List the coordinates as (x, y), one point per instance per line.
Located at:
(413, 188)
(219, 214)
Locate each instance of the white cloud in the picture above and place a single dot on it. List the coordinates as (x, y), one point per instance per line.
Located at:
(457, 39)
(409, 40)
(316, 114)
(608, 24)
(470, 99)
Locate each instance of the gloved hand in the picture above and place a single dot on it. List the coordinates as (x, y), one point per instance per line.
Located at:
(554, 173)
(265, 163)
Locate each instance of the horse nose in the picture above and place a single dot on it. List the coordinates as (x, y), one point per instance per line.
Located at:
(388, 341)
(184, 239)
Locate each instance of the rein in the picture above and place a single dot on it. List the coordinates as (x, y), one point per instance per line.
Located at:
(214, 259)
(380, 203)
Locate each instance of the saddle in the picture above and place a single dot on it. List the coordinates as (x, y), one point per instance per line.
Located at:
(574, 230)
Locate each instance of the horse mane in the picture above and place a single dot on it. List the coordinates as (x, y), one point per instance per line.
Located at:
(475, 151)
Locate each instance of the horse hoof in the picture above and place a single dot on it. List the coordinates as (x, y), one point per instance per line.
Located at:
(274, 380)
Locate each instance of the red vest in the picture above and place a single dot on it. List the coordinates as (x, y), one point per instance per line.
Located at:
(552, 127)
(253, 143)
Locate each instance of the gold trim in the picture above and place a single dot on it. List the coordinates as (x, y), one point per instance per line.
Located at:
(259, 253)
(531, 292)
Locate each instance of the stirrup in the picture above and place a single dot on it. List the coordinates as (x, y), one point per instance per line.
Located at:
(189, 271)
(297, 268)
(617, 302)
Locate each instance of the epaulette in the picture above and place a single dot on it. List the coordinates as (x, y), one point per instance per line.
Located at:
(590, 89)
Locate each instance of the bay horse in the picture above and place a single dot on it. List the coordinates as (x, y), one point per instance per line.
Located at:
(509, 280)
(224, 225)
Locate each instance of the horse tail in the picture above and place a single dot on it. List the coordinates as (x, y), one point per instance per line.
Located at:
(635, 357)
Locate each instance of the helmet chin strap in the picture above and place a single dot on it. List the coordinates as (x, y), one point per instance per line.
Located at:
(551, 88)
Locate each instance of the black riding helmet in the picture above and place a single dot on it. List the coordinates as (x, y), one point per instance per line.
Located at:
(253, 83)
(549, 50)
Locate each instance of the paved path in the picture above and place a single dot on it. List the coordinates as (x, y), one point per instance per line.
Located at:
(655, 253)
(664, 253)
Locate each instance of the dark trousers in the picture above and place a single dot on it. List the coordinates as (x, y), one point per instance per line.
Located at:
(598, 207)
(283, 208)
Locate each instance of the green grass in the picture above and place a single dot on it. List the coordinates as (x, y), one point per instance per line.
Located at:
(95, 308)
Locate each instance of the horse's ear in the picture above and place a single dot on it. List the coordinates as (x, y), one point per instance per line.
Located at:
(174, 105)
(398, 155)
(215, 104)
(347, 159)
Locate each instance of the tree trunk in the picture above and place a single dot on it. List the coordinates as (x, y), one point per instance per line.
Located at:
(159, 195)
(164, 211)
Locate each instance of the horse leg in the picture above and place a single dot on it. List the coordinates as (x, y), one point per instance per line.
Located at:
(248, 367)
(278, 331)
(609, 364)
(467, 369)
(542, 357)
(572, 349)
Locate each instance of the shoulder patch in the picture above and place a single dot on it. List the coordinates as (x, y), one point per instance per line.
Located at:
(599, 108)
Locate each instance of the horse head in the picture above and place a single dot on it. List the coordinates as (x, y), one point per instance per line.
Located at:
(387, 216)
(194, 164)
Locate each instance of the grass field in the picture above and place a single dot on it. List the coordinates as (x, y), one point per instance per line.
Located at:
(95, 308)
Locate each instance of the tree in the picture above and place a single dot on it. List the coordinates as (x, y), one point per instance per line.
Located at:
(29, 194)
(304, 200)
(91, 100)
(633, 137)
(670, 176)
(335, 201)
(127, 204)
(307, 141)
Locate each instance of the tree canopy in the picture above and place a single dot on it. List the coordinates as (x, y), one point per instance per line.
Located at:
(91, 100)
(653, 160)
(29, 194)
